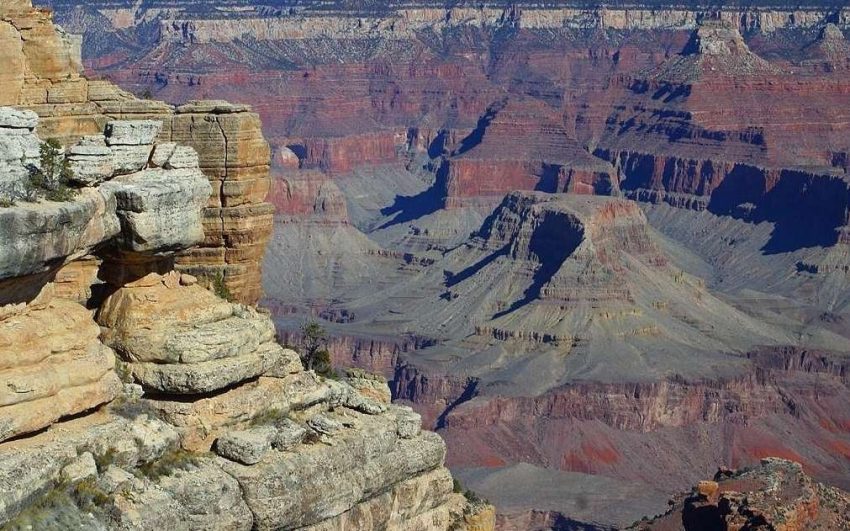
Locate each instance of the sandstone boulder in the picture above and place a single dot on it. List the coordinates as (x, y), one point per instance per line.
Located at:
(160, 210)
(247, 446)
(185, 340)
(52, 366)
(287, 434)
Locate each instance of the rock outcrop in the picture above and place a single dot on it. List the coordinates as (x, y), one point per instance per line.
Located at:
(200, 373)
(44, 73)
(776, 494)
(65, 369)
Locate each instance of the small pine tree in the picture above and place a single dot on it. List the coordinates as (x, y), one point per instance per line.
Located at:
(315, 355)
(53, 178)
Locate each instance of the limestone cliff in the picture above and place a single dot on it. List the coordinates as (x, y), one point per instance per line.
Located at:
(131, 395)
(42, 71)
(776, 494)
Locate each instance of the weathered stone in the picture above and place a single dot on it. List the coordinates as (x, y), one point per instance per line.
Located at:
(345, 395)
(80, 468)
(182, 157)
(132, 133)
(91, 161)
(287, 434)
(129, 159)
(161, 154)
(160, 210)
(247, 446)
(325, 425)
(371, 386)
(18, 119)
(35, 236)
(19, 149)
(201, 421)
(203, 377)
(290, 363)
(209, 498)
(133, 391)
(52, 365)
(113, 478)
(408, 422)
(153, 438)
(424, 501)
(281, 490)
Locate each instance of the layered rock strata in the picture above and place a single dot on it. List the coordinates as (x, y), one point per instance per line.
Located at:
(45, 74)
(775, 494)
(123, 212)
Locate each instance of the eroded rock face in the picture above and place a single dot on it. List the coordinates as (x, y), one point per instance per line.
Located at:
(52, 365)
(776, 494)
(55, 364)
(233, 153)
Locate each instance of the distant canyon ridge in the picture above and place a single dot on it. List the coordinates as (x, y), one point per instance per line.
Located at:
(602, 251)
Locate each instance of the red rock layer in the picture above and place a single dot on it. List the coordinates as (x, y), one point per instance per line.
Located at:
(616, 429)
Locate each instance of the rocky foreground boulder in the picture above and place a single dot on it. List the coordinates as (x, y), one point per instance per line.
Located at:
(776, 494)
(42, 71)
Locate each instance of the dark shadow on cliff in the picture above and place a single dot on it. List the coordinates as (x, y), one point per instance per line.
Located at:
(477, 135)
(551, 244)
(468, 394)
(806, 209)
(453, 279)
(407, 208)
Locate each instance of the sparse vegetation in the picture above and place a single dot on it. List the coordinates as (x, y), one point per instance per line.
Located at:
(6, 201)
(474, 500)
(170, 462)
(64, 506)
(123, 371)
(52, 180)
(89, 496)
(219, 287)
(315, 355)
(269, 417)
(104, 460)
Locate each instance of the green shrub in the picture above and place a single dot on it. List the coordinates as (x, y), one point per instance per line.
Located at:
(219, 287)
(315, 355)
(169, 463)
(269, 417)
(53, 179)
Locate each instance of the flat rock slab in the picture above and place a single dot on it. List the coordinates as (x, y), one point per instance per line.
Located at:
(247, 446)
(132, 133)
(204, 377)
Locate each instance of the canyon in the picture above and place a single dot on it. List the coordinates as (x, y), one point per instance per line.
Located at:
(601, 251)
